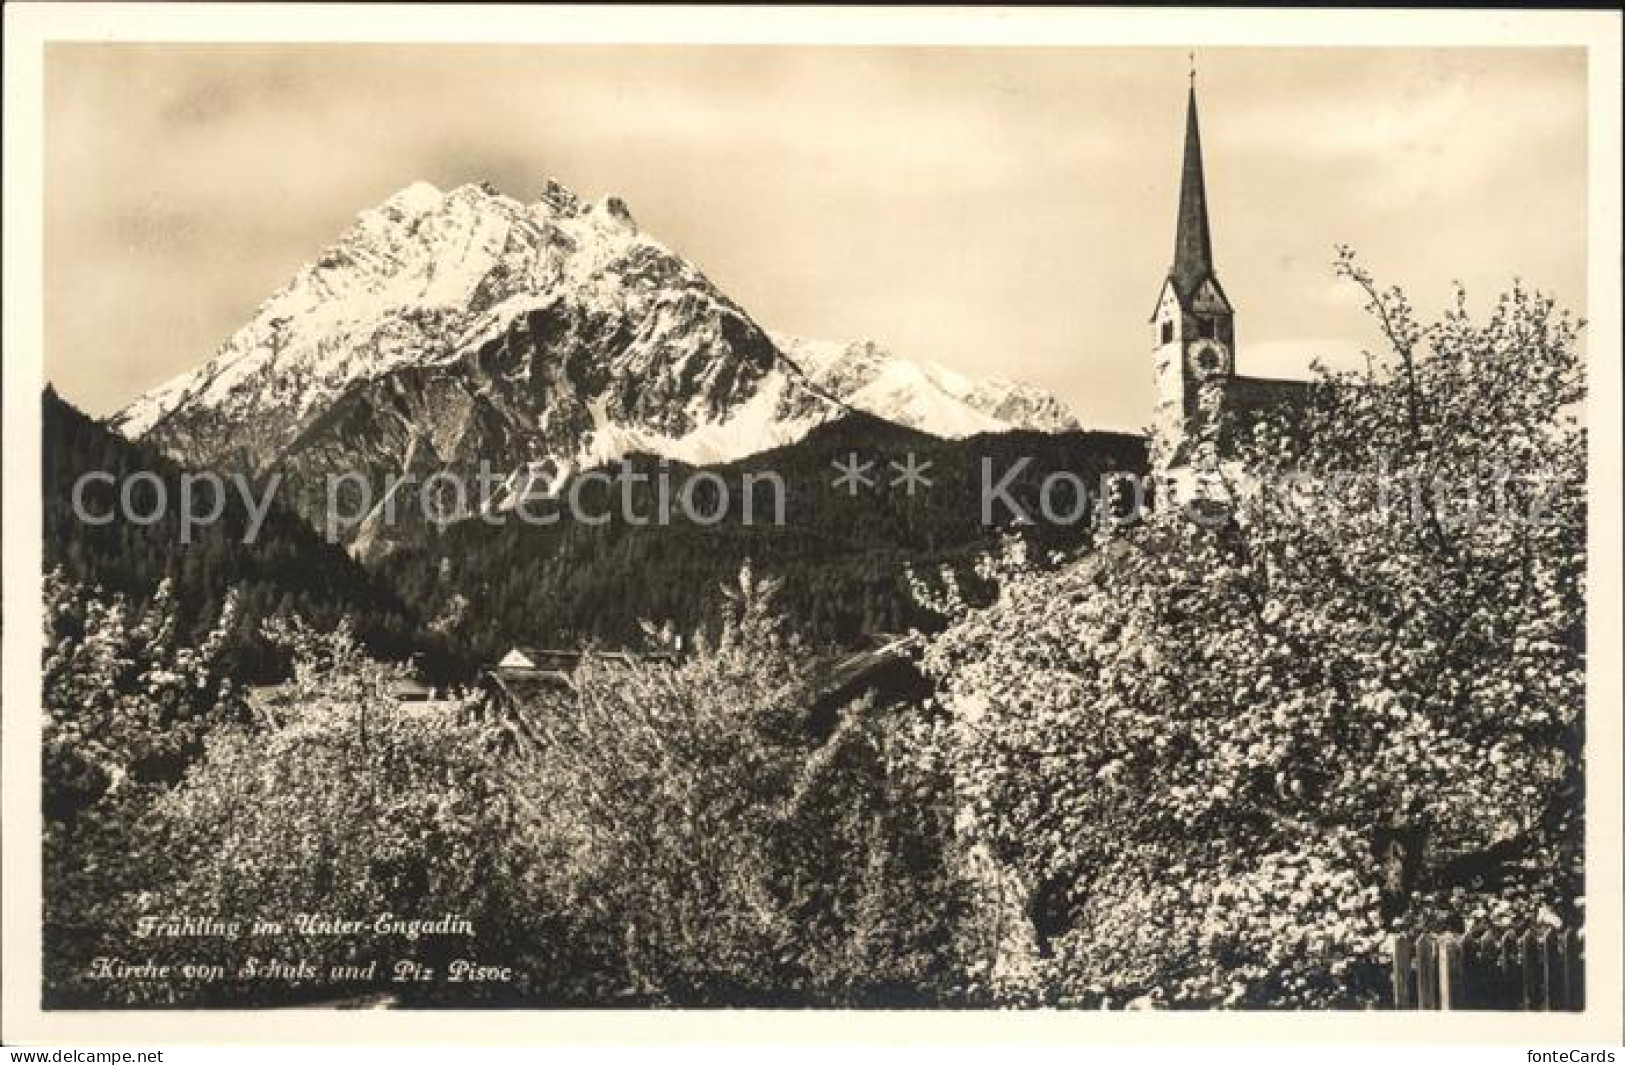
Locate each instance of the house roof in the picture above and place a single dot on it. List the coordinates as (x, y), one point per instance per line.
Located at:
(859, 664)
(887, 670)
(564, 661)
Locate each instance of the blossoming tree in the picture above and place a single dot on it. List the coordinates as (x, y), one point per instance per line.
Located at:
(1226, 758)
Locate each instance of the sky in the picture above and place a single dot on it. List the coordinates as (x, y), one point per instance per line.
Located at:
(1002, 211)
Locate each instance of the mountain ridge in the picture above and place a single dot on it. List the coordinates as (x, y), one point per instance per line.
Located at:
(446, 328)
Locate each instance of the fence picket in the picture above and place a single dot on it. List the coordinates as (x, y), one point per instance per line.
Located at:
(1451, 954)
(1574, 959)
(1488, 988)
(1427, 973)
(1402, 972)
(1474, 956)
(1529, 956)
(1551, 972)
(1511, 972)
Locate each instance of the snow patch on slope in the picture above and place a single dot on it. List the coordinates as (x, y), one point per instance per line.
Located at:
(753, 426)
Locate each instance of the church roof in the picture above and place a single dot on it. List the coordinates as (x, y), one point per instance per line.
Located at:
(1193, 245)
(1249, 398)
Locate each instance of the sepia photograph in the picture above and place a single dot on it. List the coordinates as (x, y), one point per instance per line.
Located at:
(577, 522)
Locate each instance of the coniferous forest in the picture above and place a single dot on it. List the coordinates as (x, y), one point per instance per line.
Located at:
(289, 570)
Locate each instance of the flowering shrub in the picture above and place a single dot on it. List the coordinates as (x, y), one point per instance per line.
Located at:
(125, 702)
(126, 709)
(343, 803)
(705, 846)
(1226, 761)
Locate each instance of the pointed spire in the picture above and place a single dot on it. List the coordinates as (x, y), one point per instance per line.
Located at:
(1193, 248)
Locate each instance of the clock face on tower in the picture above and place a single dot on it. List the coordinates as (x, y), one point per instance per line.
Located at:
(1209, 359)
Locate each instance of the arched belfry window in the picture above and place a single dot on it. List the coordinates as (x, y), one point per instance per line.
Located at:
(1167, 330)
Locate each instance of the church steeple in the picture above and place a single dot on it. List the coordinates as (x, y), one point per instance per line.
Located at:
(1193, 247)
(1193, 327)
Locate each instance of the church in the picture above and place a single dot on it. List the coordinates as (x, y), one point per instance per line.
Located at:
(1201, 401)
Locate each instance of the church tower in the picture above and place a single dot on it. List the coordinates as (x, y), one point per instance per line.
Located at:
(1193, 329)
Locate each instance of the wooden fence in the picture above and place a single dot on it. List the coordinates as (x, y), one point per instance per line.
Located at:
(1542, 970)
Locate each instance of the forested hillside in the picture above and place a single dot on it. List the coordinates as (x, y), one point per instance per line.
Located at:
(290, 569)
(842, 555)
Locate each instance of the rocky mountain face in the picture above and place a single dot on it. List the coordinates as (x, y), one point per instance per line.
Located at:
(447, 329)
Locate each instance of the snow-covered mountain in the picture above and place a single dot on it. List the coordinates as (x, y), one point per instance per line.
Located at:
(567, 303)
(447, 328)
(923, 395)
